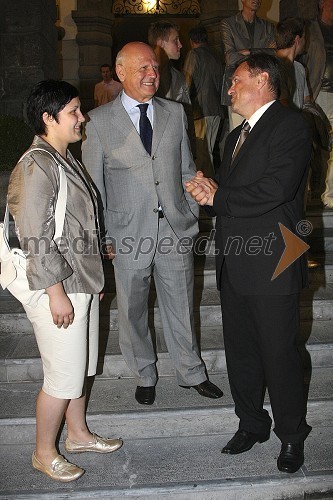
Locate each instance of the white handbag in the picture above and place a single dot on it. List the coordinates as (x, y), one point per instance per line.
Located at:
(13, 262)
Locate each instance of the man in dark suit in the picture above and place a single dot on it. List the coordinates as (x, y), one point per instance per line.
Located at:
(259, 194)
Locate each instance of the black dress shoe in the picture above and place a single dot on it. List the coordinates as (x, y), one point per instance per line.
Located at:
(243, 441)
(206, 389)
(145, 395)
(291, 457)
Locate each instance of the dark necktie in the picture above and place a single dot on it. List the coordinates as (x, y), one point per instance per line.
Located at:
(146, 131)
(242, 136)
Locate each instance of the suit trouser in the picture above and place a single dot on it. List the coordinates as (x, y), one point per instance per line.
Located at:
(260, 344)
(173, 276)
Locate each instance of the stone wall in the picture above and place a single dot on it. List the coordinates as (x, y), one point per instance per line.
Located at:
(308, 9)
(28, 40)
(94, 22)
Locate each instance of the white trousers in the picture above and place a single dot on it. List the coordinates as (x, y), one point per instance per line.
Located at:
(68, 355)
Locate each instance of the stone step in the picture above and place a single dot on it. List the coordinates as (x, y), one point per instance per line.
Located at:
(20, 358)
(316, 303)
(171, 450)
(180, 468)
(321, 240)
(319, 217)
(112, 404)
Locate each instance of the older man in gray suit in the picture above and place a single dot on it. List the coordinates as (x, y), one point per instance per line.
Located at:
(137, 152)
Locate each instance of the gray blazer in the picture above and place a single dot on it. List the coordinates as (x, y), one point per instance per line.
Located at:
(32, 195)
(235, 37)
(132, 184)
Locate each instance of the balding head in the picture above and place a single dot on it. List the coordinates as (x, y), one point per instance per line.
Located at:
(137, 69)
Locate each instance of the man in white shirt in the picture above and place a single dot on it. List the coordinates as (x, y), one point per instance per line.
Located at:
(259, 198)
(137, 153)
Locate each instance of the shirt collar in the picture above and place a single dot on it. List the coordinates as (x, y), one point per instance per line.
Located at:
(130, 103)
(258, 114)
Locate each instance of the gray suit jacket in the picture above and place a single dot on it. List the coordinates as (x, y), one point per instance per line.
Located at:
(32, 195)
(133, 184)
(235, 37)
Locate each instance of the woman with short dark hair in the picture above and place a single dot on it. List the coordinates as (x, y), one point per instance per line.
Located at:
(65, 320)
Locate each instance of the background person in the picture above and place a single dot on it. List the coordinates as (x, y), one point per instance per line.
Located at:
(204, 70)
(242, 35)
(65, 320)
(319, 61)
(290, 44)
(163, 37)
(108, 89)
(150, 219)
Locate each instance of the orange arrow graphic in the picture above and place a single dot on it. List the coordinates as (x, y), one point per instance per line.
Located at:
(295, 247)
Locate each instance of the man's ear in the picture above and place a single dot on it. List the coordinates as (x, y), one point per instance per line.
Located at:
(262, 79)
(160, 43)
(120, 72)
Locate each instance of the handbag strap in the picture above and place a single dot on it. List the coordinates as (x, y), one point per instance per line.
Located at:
(60, 210)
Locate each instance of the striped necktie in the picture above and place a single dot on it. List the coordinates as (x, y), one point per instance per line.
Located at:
(242, 136)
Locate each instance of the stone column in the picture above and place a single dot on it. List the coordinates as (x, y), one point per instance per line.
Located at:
(308, 9)
(94, 22)
(212, 12)
(28, 39)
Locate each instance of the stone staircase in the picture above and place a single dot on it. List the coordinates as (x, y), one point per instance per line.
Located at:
(173, 448)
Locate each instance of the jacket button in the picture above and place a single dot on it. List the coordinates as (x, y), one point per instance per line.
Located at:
(155, 210)
(157, 183)
(153, 157)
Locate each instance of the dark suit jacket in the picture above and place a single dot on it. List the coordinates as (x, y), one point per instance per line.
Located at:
(203, 70)
(264, 187)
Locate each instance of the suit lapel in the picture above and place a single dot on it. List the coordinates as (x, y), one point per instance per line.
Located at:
(252, 137)
(241, 27)
(161, 118)
(122, 121)
(258, 32)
